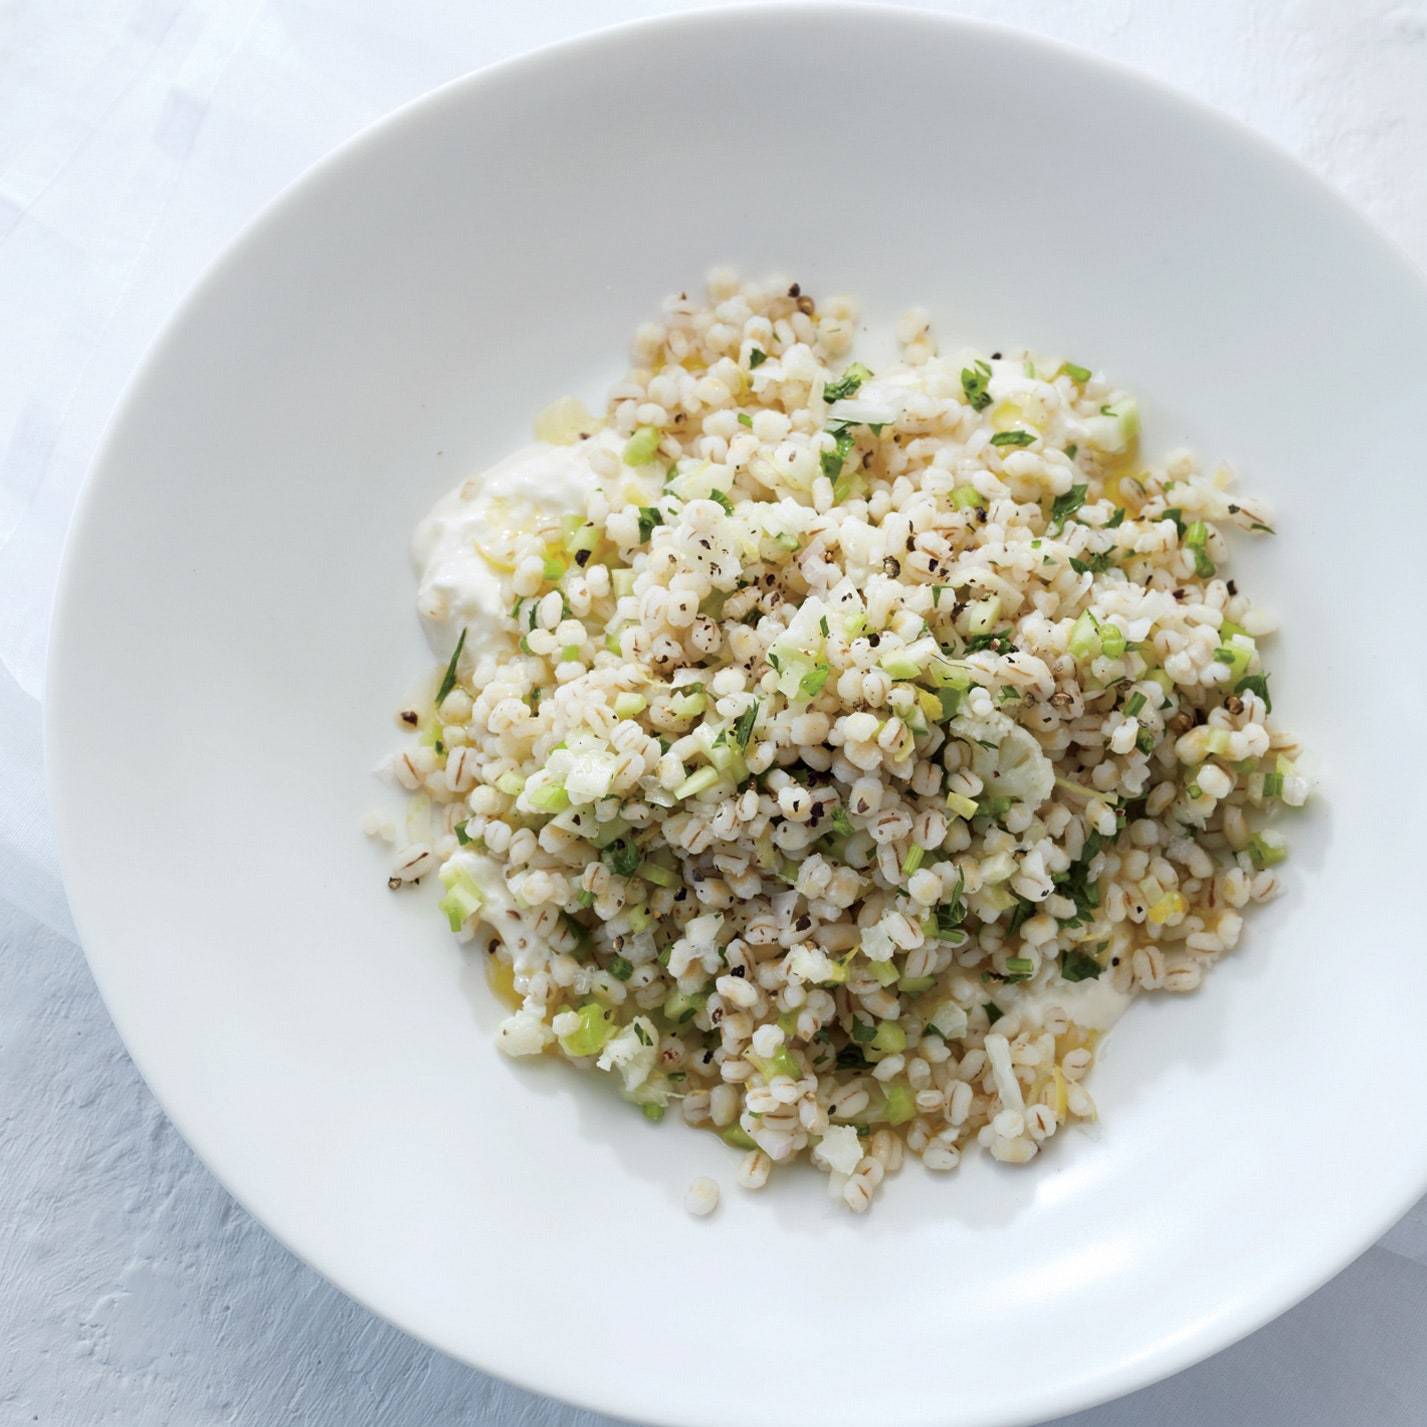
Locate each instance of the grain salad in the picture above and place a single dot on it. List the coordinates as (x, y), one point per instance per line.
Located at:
(827, 756)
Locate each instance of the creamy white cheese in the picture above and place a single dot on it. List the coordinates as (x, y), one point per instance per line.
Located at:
(460, 549)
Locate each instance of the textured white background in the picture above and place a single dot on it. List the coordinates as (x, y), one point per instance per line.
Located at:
(136, 137)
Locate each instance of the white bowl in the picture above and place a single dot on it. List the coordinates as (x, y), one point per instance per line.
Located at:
(236, 628)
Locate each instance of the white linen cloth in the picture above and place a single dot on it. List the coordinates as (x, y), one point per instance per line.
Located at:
(136, 138)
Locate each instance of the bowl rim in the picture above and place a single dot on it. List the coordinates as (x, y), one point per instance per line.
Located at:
(1271, 1298)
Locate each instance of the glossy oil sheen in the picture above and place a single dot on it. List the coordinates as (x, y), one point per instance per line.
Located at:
(236, 629)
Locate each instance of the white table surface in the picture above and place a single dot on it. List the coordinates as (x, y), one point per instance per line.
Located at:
(136, 138)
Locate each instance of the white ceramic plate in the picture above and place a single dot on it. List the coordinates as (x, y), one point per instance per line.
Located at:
(236, 628)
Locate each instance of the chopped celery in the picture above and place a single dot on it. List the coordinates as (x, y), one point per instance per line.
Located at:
(1263, 853)
(1172, 904)
(883, 972)
(640, 448)
(681, 1006)
(622, 582)
(738, 1137)
(901, 1106)
(1019, 968)
(931, 706)
(580, 537)
(781, 1062)
(981, 615)
(915, 985)
(966, 498)
(696, 782)
(1112, 640)
(656, 874)
(638, 920)
(902, 663)
(629, 704)
(1273, 785)
(688, 705)
(1084, 637)
(1236, 655)
(595, 1029)
(912, 860)
(944, 673)
(653, 1112)
(554, 569)
(463, 898)
(510, 783)
(604, 833)
(889, 1038)
(962, 806)
(547, 797)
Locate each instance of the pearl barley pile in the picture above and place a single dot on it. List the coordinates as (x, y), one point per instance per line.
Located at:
(828, 755)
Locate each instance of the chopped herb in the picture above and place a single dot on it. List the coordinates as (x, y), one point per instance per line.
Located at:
(1013, 438)
(1134, 704)
(1273, 785)
(462, 836)
(822, 625)
(1064, 506)
(577, 929)
(756, 359)
(863, 1032)
(848, 384)
(841, 823)
(1023, 909)
(722, 500)
(1177, 516)
(649, 517)
(744, 419)
(1076, 374)
(993, 1013)
(973, 383)
(1071, 451)
(743, 725)
(1079, 966)
(584, 897)
(811, 684)
(439, 746)
(1204, 567)
(1116, 520)
(1019, 968)
(998, 641)
(1256, 684)
(1144, 741)
(850, 1057)
(834, 460)
(449, 681)
(622, 857)
(1008, 695)
(622, 969)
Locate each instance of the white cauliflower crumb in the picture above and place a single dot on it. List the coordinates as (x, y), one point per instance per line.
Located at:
(524, 1033)
(839, 1149)
(631, 1053)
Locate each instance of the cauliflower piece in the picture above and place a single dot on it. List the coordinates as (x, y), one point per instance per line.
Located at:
(840, 1149)
(632, 1052)
(523, 1033)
